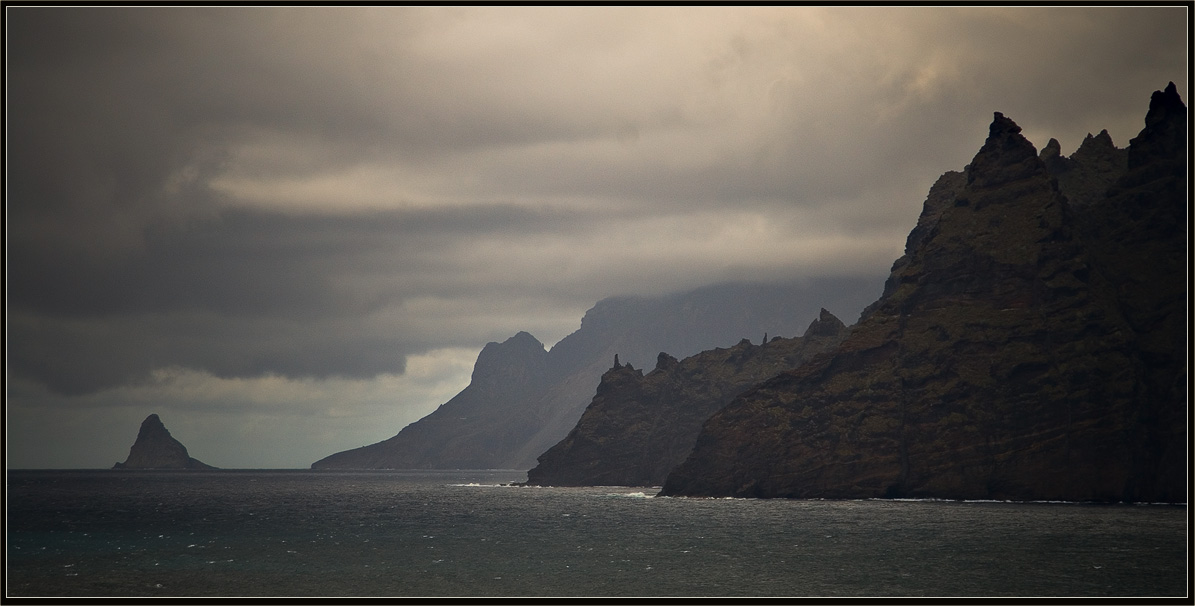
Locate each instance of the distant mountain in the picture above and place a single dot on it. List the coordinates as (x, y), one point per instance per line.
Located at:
(522, 399)
(155, 448)
(1030, 345)
(637, 428)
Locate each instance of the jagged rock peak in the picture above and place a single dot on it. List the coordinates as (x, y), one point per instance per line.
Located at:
(618, 366)
(665, 361)
(155, 448)
(826, 325)
(1002, 125)
(1006, 156)
(1098, 145)
(1051, 156)
(1162, 103)
(1093, 146)
(1165, 129)
(1104, 139)
(1085, 176)
(1053, 149)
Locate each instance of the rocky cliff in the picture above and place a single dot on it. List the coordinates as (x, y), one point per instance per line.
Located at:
(1025, 347)
(637, 428)
(155, 448)
(522, 399)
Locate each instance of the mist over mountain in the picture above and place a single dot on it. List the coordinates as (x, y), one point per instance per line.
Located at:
(1030, 344)
(522, 399)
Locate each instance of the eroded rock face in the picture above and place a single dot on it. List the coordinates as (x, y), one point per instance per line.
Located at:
(637, 428)
(1023, 350)
(155, 448)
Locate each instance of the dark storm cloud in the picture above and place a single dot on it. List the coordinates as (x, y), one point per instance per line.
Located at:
(245, 294)
(76, 357)
(258, 264)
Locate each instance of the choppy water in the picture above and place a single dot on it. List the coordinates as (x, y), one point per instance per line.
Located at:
(315, 534)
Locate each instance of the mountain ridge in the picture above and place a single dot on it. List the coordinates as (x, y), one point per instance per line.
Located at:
(507, 417)
(638, 427)
(1024, 348)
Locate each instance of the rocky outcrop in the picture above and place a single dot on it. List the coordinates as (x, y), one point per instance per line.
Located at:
(1024, 349)
(522, 400)
(155, 448)
(1087, 174)
(637, 428)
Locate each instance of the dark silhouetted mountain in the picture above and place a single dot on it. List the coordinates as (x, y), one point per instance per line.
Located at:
(522, 400)
(155, 448)
(1024, 348)
(637, 428)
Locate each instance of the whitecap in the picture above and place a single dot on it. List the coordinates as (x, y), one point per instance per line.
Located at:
(628, 495)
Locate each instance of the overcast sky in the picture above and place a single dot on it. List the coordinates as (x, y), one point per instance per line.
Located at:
(289, 231)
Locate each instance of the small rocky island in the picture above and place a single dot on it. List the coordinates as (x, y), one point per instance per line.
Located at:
(155, 448)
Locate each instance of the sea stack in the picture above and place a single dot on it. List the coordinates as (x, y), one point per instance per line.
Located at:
(155, 448)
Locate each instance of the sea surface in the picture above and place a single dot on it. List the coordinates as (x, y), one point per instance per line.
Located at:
(299, 533)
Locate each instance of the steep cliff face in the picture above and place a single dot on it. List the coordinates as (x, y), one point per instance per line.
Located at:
(522, 400)
(155, 448)
(1023, 349)
(1136, 236)
(637, 428)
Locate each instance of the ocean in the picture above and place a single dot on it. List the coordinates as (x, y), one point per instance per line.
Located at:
(312, 534)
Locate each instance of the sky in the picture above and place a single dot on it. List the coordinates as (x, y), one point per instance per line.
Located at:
(289, 230)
